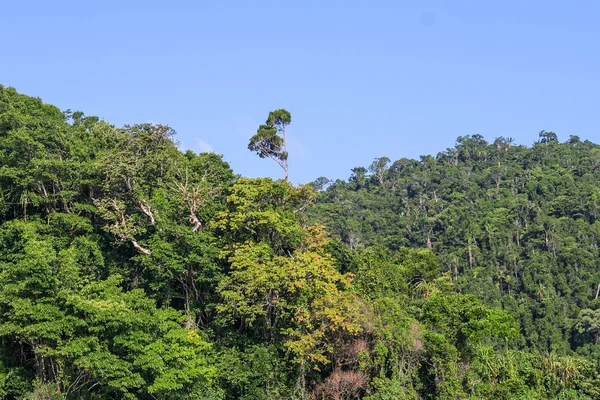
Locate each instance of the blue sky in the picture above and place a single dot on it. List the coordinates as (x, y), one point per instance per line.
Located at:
(361, 79)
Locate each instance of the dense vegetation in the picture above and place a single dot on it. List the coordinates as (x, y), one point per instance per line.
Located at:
(129, 269)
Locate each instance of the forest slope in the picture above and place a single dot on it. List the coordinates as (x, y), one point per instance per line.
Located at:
(517, 227)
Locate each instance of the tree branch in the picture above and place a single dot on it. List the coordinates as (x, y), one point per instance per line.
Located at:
(146, 209)
(140, 248)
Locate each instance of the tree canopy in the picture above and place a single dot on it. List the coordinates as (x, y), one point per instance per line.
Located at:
(132, 270)
(270, 140)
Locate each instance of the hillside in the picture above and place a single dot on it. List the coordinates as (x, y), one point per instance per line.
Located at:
(515, 226)
(132, 270)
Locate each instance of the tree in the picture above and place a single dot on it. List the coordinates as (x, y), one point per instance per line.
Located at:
(300, 299)
(359, 176)
(589, 321)
(320, 184)
(574, 139)
(270, 140)
(379, 168)
(548, 137)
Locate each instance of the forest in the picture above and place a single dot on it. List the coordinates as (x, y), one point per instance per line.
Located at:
(130, 269)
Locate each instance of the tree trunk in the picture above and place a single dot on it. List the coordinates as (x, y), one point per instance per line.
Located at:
(301, 385)
(470, 257)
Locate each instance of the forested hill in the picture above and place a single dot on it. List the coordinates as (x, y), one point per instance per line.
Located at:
(518, 227)
(132, 270)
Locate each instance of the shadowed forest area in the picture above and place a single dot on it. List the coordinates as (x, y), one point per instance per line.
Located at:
(132, 270)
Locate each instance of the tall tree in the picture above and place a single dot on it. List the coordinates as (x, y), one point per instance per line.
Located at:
(270, 140)
(379, 168)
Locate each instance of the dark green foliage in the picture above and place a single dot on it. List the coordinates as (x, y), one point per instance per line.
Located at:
(516, 227)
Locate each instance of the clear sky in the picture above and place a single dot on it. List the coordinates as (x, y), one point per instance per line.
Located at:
(361, 79)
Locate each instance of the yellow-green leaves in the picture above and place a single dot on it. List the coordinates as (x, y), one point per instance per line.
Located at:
(263, 210)
(300, 296)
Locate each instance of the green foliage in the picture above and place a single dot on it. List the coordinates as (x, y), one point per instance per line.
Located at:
(267, 211)
(589, 321)
(131, 270)
(270, 140)
(515, 227)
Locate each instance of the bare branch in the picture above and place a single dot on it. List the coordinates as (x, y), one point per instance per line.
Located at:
(194, 198)
(196, 224)
(140, 248)
(146, 209)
